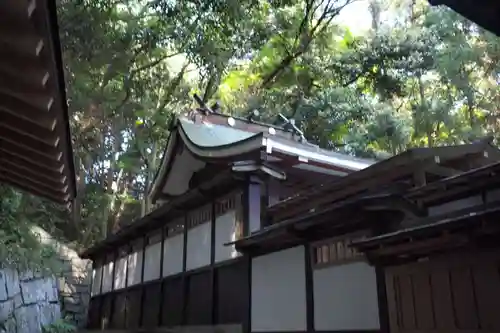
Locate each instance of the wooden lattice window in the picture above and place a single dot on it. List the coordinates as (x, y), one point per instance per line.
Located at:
(335, 252)
(232, 202)
(200, 216)
(175, 227)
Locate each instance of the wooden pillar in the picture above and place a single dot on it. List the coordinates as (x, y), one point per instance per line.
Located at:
(112, 306)
(213, 282)
(252, 203)
(160, 310)
(309, 288)
(383, 307)
(143, 289)
(184, 285)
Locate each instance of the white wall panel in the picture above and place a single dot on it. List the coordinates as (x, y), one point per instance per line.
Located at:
(198, 246)
(134, 269)
(96, 280)
(107, 277)
(172, 255)
(279, 291)
(345, 297)
(152, 260)
(225, 232)
(120, 273)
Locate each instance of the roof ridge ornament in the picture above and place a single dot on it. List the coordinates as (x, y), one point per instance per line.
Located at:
(204, 108)
(291, 127)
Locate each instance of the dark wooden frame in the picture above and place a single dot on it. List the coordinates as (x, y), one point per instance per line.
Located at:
(211, 273)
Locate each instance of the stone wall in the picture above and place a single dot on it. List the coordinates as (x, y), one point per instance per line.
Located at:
(29, 301)
(74, 281)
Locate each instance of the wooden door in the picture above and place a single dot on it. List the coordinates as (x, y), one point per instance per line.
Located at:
(450, 293)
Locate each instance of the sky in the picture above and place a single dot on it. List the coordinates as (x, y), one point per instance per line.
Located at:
(356, 16)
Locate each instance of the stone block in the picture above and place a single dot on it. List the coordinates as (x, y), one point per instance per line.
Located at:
(28, 319)
(33, 291)
(51, 294)
(12, 282)
(10, 325)
(3, 286)
(27, 275)
(6, 310)
(49, 313)
(18, 301)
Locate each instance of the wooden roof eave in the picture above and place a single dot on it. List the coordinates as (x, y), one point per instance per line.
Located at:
(348, 213)
(156, 218)
(427, 227)
(234, 149)
(404, 164)
(462, 179)
(484, 13)
(34, 124)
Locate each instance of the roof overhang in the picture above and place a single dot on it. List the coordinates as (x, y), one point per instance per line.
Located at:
(434, 234)
(218, 185)
(408, 165)
(484, 13)
(196, 141)
(35, 141)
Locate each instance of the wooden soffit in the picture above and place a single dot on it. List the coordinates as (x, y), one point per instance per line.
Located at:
(35, 141)
(484, 13)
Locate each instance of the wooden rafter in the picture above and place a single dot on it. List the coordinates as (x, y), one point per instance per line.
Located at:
(35, 146)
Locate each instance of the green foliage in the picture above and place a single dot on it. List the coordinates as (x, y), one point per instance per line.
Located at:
(59, 326)
(20, 248)
(423, 77)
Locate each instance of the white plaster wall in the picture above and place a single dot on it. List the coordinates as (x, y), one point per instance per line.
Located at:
(120, 273)
(134, 262)
(455, 205)
(152, 258)
(345, 297)
(225, 232)
(96, 281)
(198, 246)
(279, 291)
(107, 277)
(172, 255)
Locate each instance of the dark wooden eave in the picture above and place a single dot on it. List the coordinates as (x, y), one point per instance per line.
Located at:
(35, 140)
(484, 13)
(349, 215)
(413, 168)
(430, 234)
(160, 217)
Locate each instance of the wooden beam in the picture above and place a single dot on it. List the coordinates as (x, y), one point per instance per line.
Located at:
(397, 203)
(54, 178)
(19, 9)
(32, 189)
(419, 178)
(25, 163)
(18, 106)
(30, 142)
(440, 170)
(301, 205)
(22, 44)
(39, 182)
(30, 81)
(419, 245)
(30, 128)
(50, 163)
